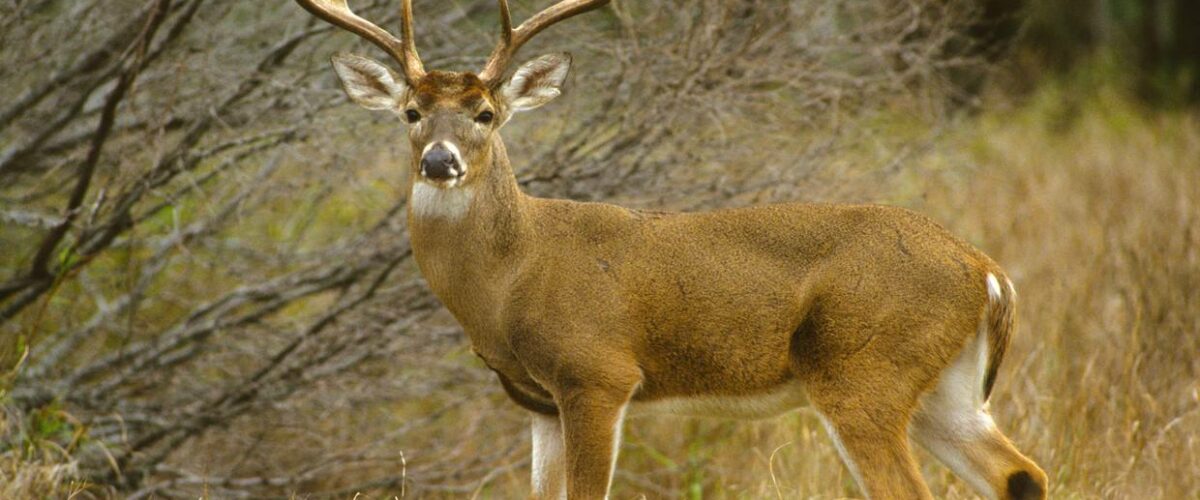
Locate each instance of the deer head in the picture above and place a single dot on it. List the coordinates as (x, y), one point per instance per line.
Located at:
(453, 118)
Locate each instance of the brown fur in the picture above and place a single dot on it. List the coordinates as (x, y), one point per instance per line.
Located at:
(449, 88)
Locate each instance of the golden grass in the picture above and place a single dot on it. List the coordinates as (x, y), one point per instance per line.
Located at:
(49, 476)
(1095, 212)
(26, 480)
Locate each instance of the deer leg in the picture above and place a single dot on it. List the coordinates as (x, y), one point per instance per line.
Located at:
(982, 456)
(954, 425)
(549, 458)
(865, 401)
(592, 430)
(876, 451)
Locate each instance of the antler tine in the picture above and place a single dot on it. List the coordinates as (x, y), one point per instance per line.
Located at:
(411, 59)
(505, 23)
(511, 39)
(338, 13)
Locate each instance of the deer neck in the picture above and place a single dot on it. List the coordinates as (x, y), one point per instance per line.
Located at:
(467, 240)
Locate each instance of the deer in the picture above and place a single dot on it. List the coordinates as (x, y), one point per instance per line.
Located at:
(877, 318)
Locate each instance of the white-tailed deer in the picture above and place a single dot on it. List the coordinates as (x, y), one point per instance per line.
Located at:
(877, 317)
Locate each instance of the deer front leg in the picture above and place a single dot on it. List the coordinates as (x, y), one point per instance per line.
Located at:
(549, 464)
(591, 423)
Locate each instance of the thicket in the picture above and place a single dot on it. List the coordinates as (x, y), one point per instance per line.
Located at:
(1150, 47)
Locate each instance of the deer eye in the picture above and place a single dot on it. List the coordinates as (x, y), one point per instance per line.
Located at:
(484, 117)
(412, 116)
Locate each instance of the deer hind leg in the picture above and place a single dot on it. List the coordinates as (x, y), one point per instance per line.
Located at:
(865, 402)
(549, 465)
(874, 447)
(866, 397)
(953, 423)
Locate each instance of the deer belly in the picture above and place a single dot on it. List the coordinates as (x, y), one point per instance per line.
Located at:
(760, 404)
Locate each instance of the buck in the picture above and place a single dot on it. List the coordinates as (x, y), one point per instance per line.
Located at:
(876, 317)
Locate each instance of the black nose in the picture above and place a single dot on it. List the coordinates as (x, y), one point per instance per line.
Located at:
(439, 164)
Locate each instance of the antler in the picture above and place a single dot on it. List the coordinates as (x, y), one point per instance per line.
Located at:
(511, 39)
(404, 51)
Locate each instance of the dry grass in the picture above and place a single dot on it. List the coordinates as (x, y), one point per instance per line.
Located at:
(1094, 209)
(20, 479)
(38, 472)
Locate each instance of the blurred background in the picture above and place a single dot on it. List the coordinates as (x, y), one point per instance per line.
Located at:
(206, 287)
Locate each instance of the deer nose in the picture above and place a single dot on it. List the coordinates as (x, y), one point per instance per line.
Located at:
(440, 164)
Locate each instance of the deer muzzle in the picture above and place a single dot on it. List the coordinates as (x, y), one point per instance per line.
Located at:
(441, 162)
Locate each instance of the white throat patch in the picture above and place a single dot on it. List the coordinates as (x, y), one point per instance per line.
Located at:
(429, 201)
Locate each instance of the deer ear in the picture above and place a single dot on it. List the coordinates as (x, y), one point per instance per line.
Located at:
(537, 82)
(368, 82)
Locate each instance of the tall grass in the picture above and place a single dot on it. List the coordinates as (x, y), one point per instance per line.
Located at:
(1094, 208)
